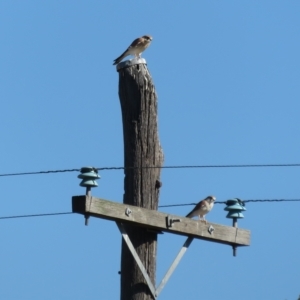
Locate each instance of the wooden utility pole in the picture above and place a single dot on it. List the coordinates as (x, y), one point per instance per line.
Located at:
(142, 151)
(138, 219)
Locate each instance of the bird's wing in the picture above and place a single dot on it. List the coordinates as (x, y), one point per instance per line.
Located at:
(199, 206)
(136, 43)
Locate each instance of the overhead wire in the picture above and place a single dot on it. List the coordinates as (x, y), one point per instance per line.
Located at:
(40, 172)
(156, 167)
(36, 215)
(170, 205)
(244, 201)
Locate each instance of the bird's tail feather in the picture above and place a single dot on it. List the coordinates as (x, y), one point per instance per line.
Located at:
(118, 59)
(189, 215)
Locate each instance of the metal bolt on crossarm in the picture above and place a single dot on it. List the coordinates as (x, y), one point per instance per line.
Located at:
(235, 207)
(89, 175)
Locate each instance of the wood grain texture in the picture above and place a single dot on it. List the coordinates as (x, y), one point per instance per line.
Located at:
(146, 218)
(141, 150)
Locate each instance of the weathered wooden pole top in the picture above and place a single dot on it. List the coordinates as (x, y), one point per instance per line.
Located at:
(130, 63)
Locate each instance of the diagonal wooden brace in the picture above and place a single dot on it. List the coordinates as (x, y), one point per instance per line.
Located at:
(154, 292)
(137, 259)
(174, 265)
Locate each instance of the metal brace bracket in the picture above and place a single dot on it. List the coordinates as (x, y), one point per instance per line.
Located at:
(128, 211)
(171, 220)
(155, 292)
(210, 229)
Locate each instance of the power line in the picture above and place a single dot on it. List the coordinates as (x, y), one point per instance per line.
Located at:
(36, 215)
(271, 200)
(244, 201)
(155, 167)
(170, 205)
(40, 172)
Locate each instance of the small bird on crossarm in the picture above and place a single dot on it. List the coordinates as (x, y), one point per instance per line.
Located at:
(202, 208)
(136, 48)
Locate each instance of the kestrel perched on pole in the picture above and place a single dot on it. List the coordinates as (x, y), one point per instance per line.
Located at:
(202, 208)
(136, 48)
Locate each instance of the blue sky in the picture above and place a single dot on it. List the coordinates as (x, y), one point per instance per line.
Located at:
(227, 79)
